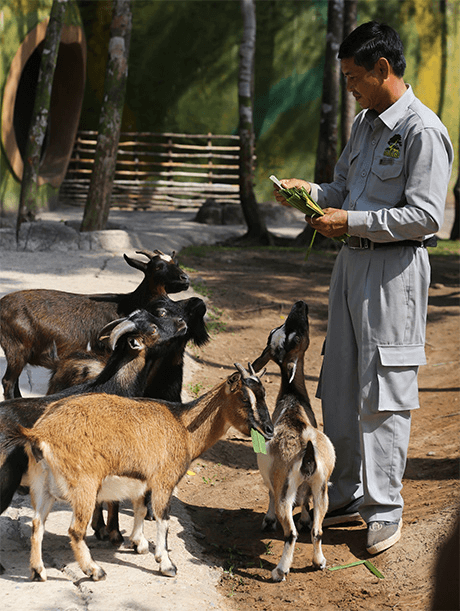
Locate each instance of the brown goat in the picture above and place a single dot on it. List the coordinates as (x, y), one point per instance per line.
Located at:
(107, 448)
(35, 324)
(300, 458)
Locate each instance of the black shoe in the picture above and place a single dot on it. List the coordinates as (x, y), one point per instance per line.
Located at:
(344, 515)
(382, 535)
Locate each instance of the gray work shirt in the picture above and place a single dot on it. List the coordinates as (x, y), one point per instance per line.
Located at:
(393, 174)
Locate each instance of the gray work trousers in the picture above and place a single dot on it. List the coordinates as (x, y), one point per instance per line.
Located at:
(368, 383)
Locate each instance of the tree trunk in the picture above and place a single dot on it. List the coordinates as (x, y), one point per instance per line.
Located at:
(257, 230)
(326, 155)
(41, 115)
(348, 109)
(100, 190)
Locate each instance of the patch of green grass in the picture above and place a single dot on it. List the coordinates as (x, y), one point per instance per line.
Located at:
(215, 324)
(195, 389)
(445, 248)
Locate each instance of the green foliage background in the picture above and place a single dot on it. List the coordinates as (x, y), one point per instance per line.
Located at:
(183, 74)
(183, 69)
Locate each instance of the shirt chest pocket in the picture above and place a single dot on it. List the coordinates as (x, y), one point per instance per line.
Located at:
(386, 182)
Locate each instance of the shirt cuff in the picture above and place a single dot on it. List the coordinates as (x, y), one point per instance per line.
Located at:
(357, 223)
(315, 192)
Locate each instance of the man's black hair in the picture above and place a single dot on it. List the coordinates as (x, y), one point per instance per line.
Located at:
(371, 41)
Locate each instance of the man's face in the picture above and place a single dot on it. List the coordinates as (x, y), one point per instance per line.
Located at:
(366, 86)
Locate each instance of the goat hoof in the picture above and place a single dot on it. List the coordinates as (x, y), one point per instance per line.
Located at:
(269, 524)
(38, 574)
(278, 575)
(96, 573)
(116, 538)
(141, 547)
(101, 534)
(321, 565)
(169, 571)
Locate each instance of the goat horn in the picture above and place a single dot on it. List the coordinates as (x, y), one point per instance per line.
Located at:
(253, 373)
(115, 329)
(242, 370)
(148, 253)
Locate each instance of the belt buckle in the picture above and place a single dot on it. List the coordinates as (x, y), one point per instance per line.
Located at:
(358, 243)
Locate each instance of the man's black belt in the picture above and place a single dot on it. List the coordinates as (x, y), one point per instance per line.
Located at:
(357, 243)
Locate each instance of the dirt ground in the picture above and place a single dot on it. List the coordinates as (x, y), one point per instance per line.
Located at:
(249, 292)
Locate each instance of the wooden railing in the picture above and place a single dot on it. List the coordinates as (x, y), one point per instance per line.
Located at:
(159, 168)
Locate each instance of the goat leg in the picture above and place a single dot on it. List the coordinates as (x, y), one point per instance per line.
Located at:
(138, 540)
(160, 505)
(113, 526)
(110, 532)
(320, 505)
(82, 510)
(42, 503)
(285, 517)
(98, 524)
(269, 521)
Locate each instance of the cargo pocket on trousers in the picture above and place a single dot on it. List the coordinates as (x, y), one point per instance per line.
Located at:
(397, 370)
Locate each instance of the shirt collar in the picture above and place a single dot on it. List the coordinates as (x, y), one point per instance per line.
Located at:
(393, 113)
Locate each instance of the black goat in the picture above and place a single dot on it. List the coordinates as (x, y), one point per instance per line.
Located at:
(165, 380)
(36, 323)
(136, 341)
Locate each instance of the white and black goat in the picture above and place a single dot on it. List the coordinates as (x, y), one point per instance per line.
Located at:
(300, 458)
(102, 447)
(137, 342)
(36, 323)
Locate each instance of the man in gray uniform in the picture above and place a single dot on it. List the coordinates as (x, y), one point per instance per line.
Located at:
(388, 195)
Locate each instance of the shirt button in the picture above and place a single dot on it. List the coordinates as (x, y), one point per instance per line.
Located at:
(363, 173)
(373, 143)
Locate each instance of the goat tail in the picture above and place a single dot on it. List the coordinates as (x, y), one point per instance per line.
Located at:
(15, 462)
(308, 464)
(17, 436)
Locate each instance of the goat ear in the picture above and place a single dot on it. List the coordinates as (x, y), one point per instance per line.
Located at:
(234, 381)
(140, 265)
(262, 360)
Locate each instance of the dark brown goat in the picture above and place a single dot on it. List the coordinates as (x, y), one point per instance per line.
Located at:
(34, 324)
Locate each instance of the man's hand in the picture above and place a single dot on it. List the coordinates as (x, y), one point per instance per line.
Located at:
(333, 224)
(288, 183)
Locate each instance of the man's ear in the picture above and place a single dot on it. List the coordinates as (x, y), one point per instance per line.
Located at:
(382, 68)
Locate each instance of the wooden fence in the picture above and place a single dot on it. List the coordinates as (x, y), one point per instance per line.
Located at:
(159, 169)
